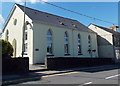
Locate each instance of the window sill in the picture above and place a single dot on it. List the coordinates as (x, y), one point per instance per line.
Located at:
(66, 54)
(25, 53)
(80, 54)
(49, 55)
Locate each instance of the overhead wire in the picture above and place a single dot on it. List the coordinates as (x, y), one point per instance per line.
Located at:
(78, 13)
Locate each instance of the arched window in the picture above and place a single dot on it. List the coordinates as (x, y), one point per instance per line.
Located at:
(7, 35)
(49, 43)
(89, 39)
(14, 44)
(66, 43)
(89, 43)
(26, 47)
(15, 21)
(79, 44)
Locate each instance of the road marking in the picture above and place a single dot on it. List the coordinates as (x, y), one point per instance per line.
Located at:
(60, 74)
(12, 81)
(112, 76)
(87, 83)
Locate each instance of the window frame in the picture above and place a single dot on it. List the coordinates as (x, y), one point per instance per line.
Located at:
(79, 45)
(49, 43)
(66, 44)
(15, 22)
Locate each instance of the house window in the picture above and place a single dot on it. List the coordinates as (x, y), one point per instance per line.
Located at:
(7, 35)
(49, 43)
(89, 39)
(26, 47)
(15, 21)
(26, 35)
(26, 41)
(89, 44)
(66, 44)
(79, 44)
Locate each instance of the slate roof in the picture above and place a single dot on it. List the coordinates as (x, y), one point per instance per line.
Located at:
(108, 30)
(50, 19)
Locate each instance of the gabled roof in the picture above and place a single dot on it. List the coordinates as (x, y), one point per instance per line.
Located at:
(50, 19)
(108, 30)
(8, 18)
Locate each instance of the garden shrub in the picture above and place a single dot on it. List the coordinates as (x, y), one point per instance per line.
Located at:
(7, 48)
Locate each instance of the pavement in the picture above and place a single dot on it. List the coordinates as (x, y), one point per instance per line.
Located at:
(42, 71)
(37, 67)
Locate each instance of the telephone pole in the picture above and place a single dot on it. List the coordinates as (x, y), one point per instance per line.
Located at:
(24, 25)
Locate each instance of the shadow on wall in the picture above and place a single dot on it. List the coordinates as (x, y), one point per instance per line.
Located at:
(105, 48)
(102, 41)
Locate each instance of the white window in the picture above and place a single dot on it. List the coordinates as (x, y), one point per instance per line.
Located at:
(49, 43)
(79, 44)
(66, 43)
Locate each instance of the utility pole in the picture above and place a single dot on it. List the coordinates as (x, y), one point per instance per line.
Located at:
(24, 25)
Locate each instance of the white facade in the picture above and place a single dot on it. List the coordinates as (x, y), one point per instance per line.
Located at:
(36, 48)
(40, 32)
(106, 42)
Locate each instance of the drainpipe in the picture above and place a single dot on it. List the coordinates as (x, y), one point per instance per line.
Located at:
(114, 59)
(73, 41)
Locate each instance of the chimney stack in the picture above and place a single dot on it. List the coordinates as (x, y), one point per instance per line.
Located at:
(114, 27)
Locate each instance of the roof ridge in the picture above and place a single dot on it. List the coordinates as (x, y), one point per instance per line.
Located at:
(106, 28)
(47, 13)
(54, 19)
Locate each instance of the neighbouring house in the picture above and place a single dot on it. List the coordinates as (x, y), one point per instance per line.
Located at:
(48, 35)
(108, 41)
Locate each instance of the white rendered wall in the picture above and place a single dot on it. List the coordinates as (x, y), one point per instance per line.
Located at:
(40, 42)
(16, 32)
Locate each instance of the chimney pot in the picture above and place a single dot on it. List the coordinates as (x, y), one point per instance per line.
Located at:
(114, 28)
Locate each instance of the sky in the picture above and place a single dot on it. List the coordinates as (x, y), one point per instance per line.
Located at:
(106, 11)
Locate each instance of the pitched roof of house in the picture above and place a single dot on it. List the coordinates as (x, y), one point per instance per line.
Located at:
(108, 30)
(50, 19)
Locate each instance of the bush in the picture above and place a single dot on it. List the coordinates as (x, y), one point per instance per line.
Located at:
(7, 48)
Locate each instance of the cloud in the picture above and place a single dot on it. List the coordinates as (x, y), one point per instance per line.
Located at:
(1, 19)
(33, 1)
(19, 2)
(43, 1)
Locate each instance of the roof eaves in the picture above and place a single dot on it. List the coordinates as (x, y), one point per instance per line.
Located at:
(107, 29)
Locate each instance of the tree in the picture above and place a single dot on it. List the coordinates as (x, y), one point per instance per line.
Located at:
(7, 48)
